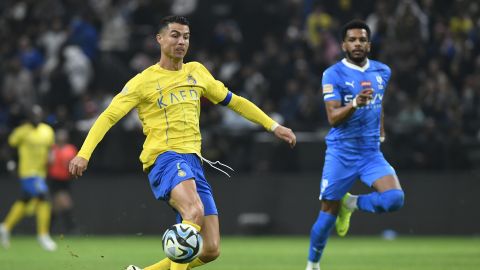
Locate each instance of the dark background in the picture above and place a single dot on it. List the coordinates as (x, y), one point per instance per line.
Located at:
(270, 203)
(71, 57)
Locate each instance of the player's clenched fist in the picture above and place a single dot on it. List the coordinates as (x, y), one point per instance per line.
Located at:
(77, 166)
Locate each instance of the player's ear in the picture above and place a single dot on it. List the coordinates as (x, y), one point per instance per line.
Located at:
(159, 38)
(368, 46)
(344, 47)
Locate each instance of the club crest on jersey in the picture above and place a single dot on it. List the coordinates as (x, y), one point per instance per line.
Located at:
(180, 173)
(366, 84)
(191, 79)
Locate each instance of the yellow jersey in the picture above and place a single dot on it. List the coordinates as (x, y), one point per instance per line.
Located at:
(168, 105)
(34, 144)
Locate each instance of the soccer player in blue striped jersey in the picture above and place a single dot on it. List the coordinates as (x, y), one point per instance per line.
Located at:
(353, 91)
(167, 98)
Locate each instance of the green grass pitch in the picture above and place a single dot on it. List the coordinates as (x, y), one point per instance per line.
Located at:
(250, 253)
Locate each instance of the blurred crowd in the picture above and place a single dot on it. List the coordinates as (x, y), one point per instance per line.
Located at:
(72, 57)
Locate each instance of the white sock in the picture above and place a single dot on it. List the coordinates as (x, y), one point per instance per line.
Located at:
(351, 202)
(313, 265)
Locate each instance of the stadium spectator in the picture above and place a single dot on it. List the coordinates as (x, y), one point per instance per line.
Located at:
(407, 34)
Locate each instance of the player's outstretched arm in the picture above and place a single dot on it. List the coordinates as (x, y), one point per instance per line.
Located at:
(285, 134)
(251, 112)
(77, 166)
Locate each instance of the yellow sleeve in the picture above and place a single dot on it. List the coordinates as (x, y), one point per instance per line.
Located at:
(121, 104)
(217, 93)
(16, 136)
(215, 90)
(250, 111)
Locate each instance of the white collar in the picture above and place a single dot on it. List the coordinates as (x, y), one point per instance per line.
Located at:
(352, 66)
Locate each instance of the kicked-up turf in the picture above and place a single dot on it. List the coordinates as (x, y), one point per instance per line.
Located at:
(250, 253)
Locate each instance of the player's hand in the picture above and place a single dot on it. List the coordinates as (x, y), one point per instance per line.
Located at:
(286, 135)
(364, 97)
(77, 166)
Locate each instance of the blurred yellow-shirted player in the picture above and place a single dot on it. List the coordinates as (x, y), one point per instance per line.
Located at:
(33, 141)
(167, 98)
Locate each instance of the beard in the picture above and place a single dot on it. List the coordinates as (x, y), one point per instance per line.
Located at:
(358, 59)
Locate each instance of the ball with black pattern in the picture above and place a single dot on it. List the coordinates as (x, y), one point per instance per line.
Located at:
(182, 243)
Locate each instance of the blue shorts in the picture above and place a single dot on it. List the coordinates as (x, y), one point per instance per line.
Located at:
(171, 168)
(34, 186)
(342, 167)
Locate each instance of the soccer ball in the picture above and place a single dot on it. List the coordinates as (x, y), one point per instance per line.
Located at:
(182, 243)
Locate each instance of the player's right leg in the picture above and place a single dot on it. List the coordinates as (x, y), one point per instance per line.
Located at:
(17, 211)
(337, 179)
(184, 198)
(320, 232)
(173, 178)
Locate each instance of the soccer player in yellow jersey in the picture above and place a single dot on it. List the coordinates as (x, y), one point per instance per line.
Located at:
(33, 140)
(167, 98)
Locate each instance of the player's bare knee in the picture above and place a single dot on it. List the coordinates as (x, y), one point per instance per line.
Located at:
(193, 212)
(331, 207)
(210, 253)
(393, 200)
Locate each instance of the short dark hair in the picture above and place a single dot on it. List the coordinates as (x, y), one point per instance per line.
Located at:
(172, 19)
(355, 24)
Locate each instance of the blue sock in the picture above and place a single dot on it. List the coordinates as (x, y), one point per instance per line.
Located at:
(319, 234)
(376, 202)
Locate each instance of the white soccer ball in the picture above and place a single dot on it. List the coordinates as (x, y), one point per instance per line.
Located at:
(182, 243)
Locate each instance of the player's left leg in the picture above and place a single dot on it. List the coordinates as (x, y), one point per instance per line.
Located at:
(211, 243)
(43, 213)
(388, 197)
(378, 173)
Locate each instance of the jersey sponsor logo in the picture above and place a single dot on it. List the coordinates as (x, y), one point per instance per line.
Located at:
(177, 97)
(377, 96)
(352, 84)
(327, 88)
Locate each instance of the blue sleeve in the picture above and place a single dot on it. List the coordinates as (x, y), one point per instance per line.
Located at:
(386, 73)
(330, 87)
